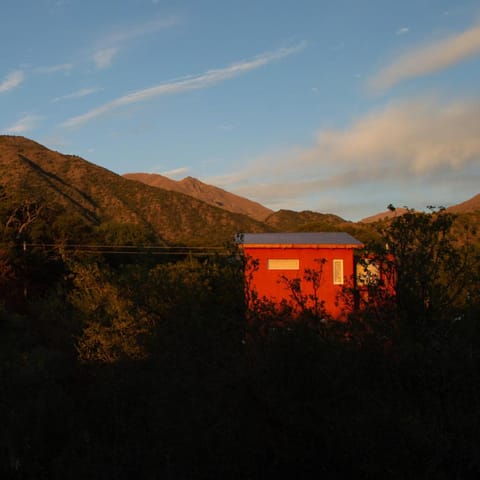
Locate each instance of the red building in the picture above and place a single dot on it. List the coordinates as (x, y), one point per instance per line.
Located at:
(306, 267)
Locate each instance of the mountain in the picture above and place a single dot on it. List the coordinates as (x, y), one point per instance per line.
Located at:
(308, 221)
(80, 188)
(282, 220)
(471, 205)
(207, 193)
(72, 186)
(289, 220)
(384, 215)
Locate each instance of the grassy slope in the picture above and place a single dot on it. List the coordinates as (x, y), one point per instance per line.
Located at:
(35, 172)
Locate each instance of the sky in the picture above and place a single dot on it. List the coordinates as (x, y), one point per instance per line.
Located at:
(333, 106)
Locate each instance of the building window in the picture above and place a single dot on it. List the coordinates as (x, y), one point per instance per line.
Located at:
(338, 271)
(283, 264)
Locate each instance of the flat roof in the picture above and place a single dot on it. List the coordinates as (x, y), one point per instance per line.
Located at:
(298, 238)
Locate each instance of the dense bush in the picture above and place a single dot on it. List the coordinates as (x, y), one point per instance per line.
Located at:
(150, 370)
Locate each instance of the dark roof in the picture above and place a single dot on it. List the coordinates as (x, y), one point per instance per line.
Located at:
(297, 238)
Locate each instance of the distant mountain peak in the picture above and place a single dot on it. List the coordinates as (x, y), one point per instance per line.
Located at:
(206, 193)
(190, 179)
(81, 189)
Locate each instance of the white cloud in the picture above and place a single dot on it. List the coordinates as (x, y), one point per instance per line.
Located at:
(129, 32)
(204, 80)
(176, 172)
(12, 80)
(429, 58)
(23, 125)
(103, 58)
(108, 46)
(402, 31)
(83, 92)
(405, 149)
(64, 67)
(419, 135)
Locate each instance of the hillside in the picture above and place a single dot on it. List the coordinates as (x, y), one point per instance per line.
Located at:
(471, 205)
(308, 221)
(207, 193)
(32, 171)
(388, 214)
(289, 220)
(78, 188)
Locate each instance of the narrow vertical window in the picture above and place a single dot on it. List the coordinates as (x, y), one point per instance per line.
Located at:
(338, 271)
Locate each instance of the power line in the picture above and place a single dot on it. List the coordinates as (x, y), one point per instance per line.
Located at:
(113, 249)
(96, 245)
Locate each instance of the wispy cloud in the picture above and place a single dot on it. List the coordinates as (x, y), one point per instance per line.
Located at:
(83, 92)
(103, 58)
(23, 125)
(110, 44)
(204, 80)
(420, 135)
(429, 58)
(12, 80)
(176, 172)
(64, 67)
(399, 148)
(129, 32)
(402, 31)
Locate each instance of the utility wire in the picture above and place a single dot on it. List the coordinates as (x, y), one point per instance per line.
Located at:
(112, 249)
(86, 245)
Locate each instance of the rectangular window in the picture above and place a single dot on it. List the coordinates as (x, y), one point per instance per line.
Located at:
(283, 264)
(338, 271)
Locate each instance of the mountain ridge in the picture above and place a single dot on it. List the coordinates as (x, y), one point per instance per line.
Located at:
(210, 194)
(275, 219)
(99, 196)
(31, 171)
(468, 206)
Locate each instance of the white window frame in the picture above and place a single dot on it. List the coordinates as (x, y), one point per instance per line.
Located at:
(283, 264)
(337, 271)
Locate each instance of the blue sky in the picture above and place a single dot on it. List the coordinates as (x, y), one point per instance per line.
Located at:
(332, 106)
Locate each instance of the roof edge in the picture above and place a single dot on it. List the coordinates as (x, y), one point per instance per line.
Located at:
(316, 246)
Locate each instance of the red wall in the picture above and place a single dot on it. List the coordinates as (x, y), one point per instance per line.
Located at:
(267, 283)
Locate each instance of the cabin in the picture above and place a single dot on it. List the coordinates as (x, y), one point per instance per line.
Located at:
(317, 265)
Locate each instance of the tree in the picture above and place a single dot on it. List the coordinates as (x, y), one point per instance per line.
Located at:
(112, 327)
(435, 268)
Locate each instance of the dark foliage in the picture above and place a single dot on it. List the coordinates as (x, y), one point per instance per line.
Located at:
(150, 370)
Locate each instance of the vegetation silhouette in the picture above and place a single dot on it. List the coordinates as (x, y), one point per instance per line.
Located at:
(115, 367)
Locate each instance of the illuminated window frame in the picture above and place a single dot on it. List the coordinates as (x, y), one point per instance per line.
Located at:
(283, 264)
(338, 271)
